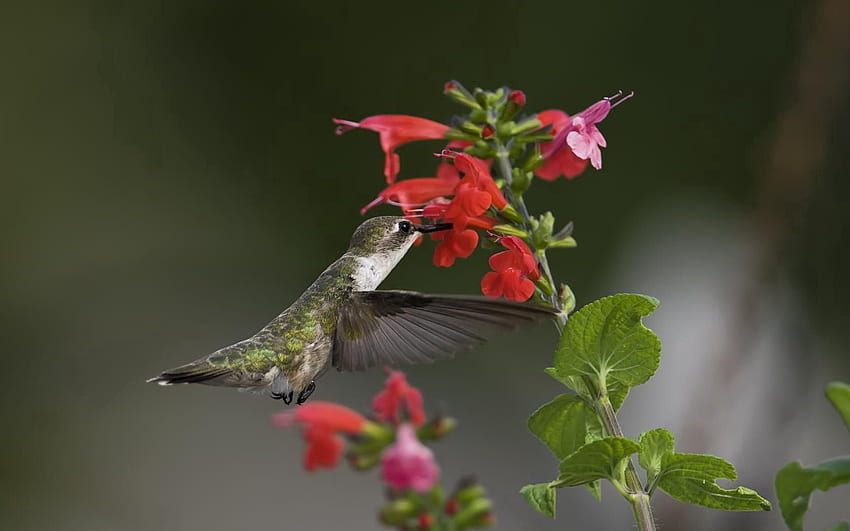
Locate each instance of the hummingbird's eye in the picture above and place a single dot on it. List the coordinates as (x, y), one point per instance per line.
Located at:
(405, 226)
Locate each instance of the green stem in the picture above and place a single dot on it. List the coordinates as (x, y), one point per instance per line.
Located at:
(519, 203)
(633, 491)
(635, 494)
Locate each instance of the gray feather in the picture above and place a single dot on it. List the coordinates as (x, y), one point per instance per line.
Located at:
(392, 327)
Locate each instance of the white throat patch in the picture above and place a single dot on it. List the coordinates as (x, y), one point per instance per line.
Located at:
(372, 270)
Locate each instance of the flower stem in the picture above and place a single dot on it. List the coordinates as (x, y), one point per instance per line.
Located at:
(633, 490)
(519, 203)
(634, 494)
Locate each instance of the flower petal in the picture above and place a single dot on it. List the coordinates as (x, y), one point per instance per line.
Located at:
(408, 463)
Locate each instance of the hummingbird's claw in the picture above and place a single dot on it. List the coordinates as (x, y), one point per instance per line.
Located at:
(286, 397)
(305, 394)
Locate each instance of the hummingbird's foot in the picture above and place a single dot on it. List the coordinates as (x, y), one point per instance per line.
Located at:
(305, 394)
(286, 397)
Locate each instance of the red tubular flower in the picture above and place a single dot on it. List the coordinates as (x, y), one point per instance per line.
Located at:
(322, 422)
(414, 192)
(512, 270)
(417, 192)
(454, 244)
(395, 130)
(477, 174)
(397, 394)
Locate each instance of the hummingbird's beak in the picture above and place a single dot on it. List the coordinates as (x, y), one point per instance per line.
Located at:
(433, 228)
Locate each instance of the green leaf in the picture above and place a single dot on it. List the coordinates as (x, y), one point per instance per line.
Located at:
(690, 478)
(541, 497)
(561, 424)
(595, 489)
(843, 526)
(606, 342)
(795, 484)
(596, 460)
(655, 445)
(839, 394)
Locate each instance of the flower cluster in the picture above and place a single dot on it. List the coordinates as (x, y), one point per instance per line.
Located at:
(391, 437)
(464, 192)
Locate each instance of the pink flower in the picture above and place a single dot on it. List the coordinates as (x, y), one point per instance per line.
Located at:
(559, 161)
(397, 394)
(395, 130)
(580, 135)
(408, 463)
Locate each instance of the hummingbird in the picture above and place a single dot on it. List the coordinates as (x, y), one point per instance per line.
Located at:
(342, 321)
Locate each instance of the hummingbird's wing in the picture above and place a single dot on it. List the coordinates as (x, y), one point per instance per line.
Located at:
(389, 327)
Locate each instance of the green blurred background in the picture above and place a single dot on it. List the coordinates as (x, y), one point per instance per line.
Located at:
(171, 181)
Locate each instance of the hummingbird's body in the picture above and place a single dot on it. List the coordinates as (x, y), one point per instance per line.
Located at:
(341, 321)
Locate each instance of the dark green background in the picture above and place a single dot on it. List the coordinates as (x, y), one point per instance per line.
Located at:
(170, 181)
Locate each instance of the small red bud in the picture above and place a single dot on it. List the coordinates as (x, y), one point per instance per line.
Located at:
(426, 521)
(450, 85)
(452, 506)
(487, 131)
(517, 97)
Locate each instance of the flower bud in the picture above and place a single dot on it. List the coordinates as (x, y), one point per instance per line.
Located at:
(426, 521)
(362, 462)
(509, 230)
(473, 513)
(396, 512)
(517, 97)
(568, 299)
(451, 507)
(526, 126)
(487, 131)
(512, 105)
(436, 428)
(468, 491)
(543, 230)
(458, 93)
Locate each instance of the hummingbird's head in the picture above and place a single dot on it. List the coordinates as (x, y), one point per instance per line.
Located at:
(388, 235)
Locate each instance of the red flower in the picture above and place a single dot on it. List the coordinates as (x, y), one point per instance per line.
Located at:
(559, 161)
(459, 242)
(477, 174)
(395, 130)
(397, 393)
(322, 421)
(413, 192)
(512, 270)
(417, 192)
(454, 244)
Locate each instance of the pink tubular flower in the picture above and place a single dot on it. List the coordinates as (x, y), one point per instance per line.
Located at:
(322, 422)
(558, 161)
(512, 270)
(580, 135)
(408, 463)
(395, 130)
(397, 393)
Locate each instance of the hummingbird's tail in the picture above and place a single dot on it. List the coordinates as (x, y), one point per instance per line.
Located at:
(222, 368)
(195, 372)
